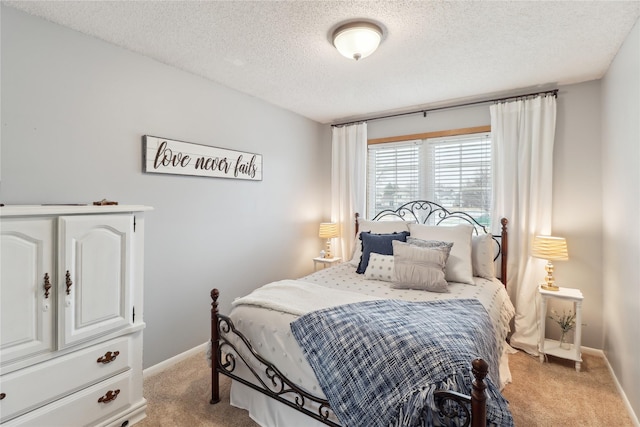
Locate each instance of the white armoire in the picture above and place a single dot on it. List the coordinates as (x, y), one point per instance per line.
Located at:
(71, 305)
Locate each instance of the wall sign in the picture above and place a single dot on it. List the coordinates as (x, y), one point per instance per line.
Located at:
(163, 155)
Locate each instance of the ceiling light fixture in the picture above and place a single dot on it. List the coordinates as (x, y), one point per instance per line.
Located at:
(357, 40)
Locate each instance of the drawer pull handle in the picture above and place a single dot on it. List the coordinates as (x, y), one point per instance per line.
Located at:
(3, 395)
(111, 395)
(108, 357)
(47, 285)
(69, 282)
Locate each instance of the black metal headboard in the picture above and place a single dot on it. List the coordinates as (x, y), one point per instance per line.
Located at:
(430, 213)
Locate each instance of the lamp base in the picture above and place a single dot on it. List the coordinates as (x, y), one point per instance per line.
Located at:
(549, 281)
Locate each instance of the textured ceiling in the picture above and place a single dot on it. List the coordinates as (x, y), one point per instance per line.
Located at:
(433, 52)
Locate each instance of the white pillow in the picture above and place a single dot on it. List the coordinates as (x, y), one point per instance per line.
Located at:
(459, 267)
(377, 227)
(380, 267)
(482, 256)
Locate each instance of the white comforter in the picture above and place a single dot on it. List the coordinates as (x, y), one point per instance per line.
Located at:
(264, 315)
(298, 297)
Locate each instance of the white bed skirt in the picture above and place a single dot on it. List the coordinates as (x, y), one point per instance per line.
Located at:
(266, 411)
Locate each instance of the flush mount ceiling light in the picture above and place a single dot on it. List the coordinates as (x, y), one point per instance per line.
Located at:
(357, 40)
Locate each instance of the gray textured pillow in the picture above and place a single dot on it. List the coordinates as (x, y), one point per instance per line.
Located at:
(429, 243)
(459, 268)
(420, 268)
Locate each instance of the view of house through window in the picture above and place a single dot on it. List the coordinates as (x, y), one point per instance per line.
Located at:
(453, 171)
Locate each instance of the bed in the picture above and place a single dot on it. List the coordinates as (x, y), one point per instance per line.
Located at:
(347, 345)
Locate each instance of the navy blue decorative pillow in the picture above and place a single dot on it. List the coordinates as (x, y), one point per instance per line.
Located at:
(378, 243)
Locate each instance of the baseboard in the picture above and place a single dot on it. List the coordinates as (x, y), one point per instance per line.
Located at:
(166, 364)
(632, 414)
(593, 352)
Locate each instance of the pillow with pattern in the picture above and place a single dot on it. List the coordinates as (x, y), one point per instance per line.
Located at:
(380, 268)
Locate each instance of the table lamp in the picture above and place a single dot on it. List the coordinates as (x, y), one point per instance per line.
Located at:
(552, 249)
(328, 230)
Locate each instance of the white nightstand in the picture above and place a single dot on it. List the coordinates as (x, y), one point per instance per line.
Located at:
(324, 262)
(546, 346)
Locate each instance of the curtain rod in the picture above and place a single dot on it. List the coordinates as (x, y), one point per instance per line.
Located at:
(427, 110)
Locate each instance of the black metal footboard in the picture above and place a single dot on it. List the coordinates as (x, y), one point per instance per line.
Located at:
(454, 408)
(463, 410)
(225, 356)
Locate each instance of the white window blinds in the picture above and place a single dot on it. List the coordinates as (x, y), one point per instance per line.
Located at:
(393, 171)
(454, 172)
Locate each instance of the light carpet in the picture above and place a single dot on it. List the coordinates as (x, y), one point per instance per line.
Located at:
(541, 395)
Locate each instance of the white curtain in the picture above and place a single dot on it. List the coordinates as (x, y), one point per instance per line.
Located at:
(523, 134)
(348, 180)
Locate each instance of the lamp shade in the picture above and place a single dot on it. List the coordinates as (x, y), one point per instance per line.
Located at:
(357, 40)
(550, 248)
(328, 230)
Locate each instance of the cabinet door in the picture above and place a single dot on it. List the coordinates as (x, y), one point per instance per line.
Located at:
(94, 276)
(27, 287)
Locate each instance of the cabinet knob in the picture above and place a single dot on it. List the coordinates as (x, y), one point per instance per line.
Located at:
(111, 395)
(69, 282)
(108, 357)
(3, 395)
(47, 285)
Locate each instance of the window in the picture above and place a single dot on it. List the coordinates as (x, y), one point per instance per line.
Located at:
(453, 171)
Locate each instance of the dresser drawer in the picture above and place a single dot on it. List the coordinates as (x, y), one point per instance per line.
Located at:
(37, 385)
(84, 408)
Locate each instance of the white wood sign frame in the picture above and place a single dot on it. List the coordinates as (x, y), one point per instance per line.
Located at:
(168, 156)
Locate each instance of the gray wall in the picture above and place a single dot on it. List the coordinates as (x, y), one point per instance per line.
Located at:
(74, 110)
(621, 209)
(577, 192)
(577, 196)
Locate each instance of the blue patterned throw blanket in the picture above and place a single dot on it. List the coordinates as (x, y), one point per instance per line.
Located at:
(379, 362)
